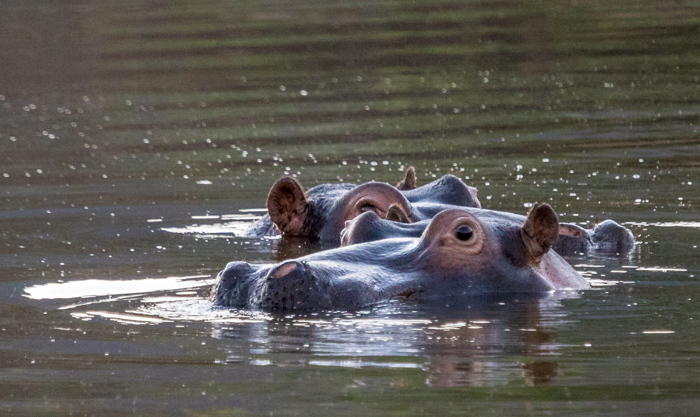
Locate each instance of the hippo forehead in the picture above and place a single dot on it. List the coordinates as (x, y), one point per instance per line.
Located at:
(446, 190)
(325, 195)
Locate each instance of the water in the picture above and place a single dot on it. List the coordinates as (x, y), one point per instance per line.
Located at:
(136, 137)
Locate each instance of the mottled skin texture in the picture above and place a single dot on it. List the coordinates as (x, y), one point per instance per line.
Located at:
(607, 237)
(321, 211)
(459, 254)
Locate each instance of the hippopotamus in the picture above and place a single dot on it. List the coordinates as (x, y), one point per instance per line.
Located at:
(460, 253)
(321, 212)
(608, 237)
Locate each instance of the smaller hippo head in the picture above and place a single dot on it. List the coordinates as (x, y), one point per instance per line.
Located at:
(297, 213)
(322, 210)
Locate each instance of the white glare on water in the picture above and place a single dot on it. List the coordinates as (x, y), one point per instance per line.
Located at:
(101, 287)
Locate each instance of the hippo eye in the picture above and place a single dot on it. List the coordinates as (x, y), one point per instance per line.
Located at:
(464, 232)
(367, 207)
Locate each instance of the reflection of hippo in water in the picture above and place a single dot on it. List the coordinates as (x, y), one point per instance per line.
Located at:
(323, 210)
(458, 254)
(606, 237)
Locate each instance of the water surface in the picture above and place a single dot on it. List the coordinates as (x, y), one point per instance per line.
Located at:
(137, 139)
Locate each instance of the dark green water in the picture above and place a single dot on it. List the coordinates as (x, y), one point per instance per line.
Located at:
(133, 133)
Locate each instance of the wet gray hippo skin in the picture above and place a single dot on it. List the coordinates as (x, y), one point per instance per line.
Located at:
(457, 255)
(447, 189)
(319, 198)
(322, 210)
(608, 237)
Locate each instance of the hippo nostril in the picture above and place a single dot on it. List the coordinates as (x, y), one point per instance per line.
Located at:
(285, 269)
(464, 232)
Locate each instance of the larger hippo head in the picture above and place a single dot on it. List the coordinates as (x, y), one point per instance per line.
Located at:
(323, 210)
(458, 254)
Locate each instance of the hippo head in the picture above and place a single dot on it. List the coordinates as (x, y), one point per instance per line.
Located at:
(612, 237)
(573, 239)
(322, 210)
(323, 214)
(608, 237)
(458, 254)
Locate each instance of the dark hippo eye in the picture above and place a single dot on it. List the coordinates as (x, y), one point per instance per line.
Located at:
(464, 232)
(367, 207)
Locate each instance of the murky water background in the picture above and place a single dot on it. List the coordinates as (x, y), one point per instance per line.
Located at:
(136, 137)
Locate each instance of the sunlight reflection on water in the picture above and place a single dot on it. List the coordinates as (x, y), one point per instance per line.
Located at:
(100, 287)
(691, 225)
(207, 231)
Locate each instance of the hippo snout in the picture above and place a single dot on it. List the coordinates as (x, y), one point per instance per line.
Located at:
(292, 285)
(230, 288)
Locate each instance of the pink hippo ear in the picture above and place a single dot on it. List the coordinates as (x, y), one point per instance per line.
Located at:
(284, 269)
(409, 181)
(572, 230)
(472, 192)
(539, 232)
(397, 214)
(288, 206)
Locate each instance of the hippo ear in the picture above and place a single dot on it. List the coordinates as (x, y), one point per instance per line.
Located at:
(396, 214)
(288, 206)
(409, 181)
(284, 269)
(571, 230)
(472, 192)
(539, 232)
